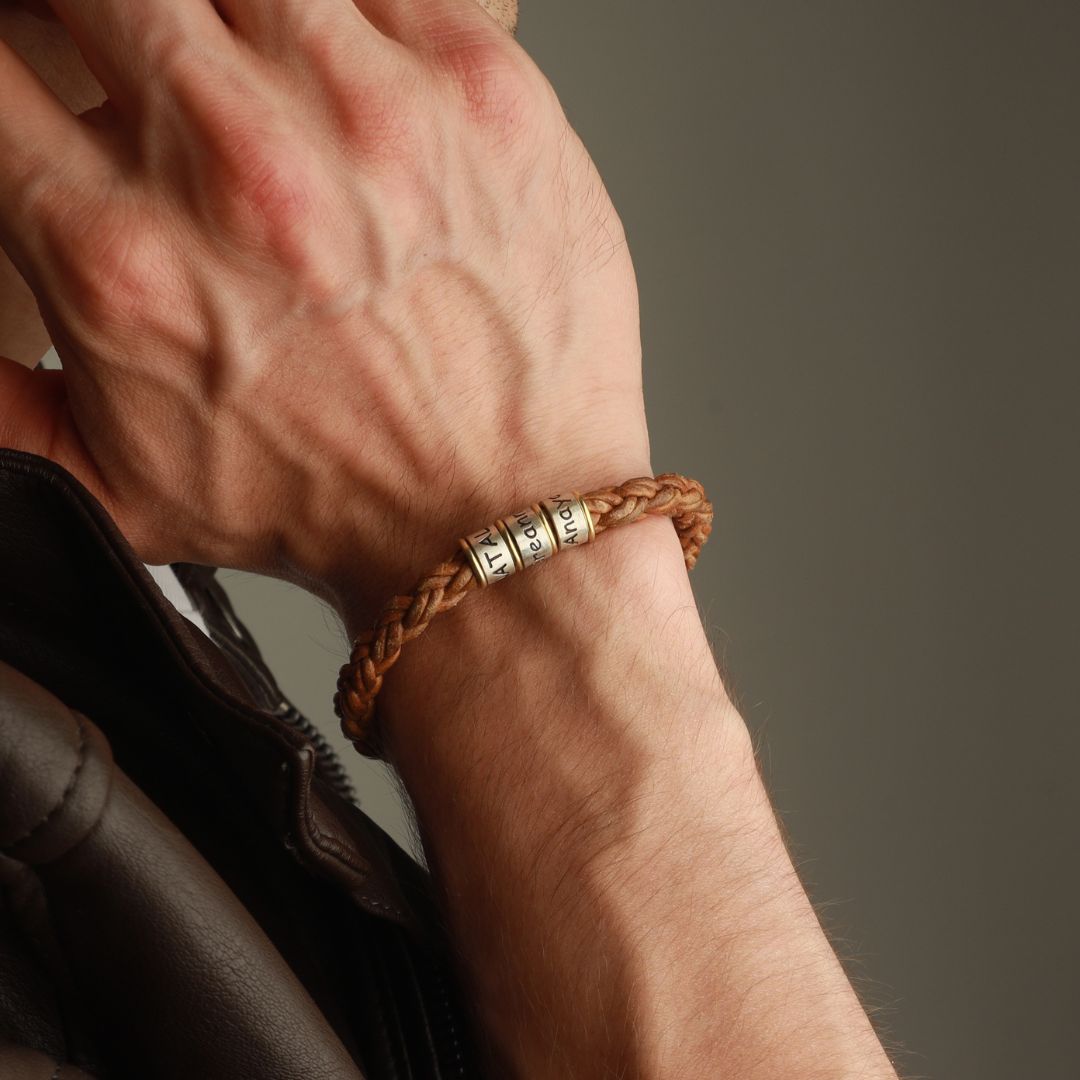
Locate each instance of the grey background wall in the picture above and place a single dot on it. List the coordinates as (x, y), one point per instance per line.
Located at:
(857, 233)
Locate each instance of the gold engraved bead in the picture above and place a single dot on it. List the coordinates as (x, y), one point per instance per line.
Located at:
(491, 555)
(569, 519)
(531, 536)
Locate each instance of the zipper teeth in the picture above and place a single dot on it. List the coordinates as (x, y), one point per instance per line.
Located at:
(232, 640)
(449, 1024)
(236, 643)
(228, 632)
(331, 768)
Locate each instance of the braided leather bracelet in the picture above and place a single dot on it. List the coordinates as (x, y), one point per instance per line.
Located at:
(509, 545)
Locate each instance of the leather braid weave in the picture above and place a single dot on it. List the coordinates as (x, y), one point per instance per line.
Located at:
(405, 618)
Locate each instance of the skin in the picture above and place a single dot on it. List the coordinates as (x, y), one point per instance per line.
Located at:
(332, 285)
(47, 47)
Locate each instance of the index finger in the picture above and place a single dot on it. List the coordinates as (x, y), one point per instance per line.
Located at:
(130, 44)
(42, 147)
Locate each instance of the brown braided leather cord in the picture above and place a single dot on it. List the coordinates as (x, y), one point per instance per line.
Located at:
(405, 618)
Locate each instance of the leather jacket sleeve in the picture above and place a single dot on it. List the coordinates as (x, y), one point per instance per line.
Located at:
(186, 984)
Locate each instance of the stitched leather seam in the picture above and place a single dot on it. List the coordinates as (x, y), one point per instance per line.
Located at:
(331, 848)
(80, 760)
(390, 908)
(54, 486)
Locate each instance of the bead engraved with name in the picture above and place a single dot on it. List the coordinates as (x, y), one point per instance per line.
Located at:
(531, 536)
(533, 544)
(491, 553)
(494, 555)
(568, 530)
(567, 516)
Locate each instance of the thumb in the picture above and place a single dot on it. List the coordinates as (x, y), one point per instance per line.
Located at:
(35, 418)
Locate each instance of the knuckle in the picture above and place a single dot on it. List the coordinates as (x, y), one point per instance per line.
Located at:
(499, 89)
(382, 121)
(39, 197)
(167, 51)
(50, 192)
(116, 271)
(267, 184)
(275, 191)
(312, 32)
(277, 206)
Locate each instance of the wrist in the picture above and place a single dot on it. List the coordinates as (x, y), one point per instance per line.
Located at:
(421, 528)
(559, 726)
(569, 727)
(618, 613)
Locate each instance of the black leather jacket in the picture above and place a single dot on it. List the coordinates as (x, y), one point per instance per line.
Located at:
(187, 887)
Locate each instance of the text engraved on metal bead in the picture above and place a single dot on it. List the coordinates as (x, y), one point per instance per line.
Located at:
(531, 535)
(568, 519)
(491, 554)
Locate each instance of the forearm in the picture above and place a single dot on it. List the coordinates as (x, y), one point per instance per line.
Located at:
(408, 194)
(617, 887)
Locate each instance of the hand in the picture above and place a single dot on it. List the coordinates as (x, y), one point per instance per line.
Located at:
(331, 283)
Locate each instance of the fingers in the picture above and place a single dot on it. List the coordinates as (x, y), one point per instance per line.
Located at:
(34, 417)
(429, 24)
(132, 46)
(282, 25)
(40, 142)
(22, 335)
(47, 47)
(29, 407)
